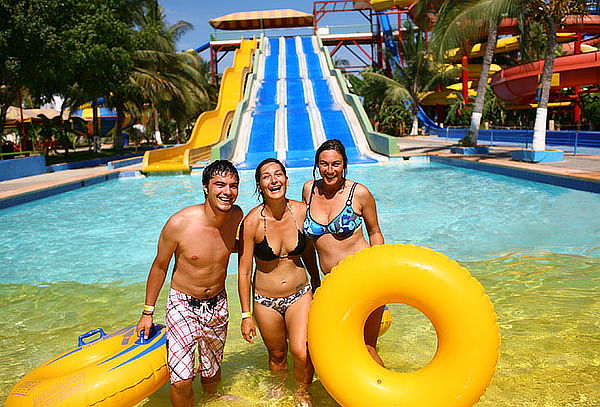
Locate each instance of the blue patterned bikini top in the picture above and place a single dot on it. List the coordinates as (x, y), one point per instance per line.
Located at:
(344, 224)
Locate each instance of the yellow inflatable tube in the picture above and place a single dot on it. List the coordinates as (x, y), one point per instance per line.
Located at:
(118, 369)
(454, 302)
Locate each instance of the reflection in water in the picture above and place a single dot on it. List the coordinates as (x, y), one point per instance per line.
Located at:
(547, 306)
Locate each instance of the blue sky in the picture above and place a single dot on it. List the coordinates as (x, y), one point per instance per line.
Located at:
(198, 12)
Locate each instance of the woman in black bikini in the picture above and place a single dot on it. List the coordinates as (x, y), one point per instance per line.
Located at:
(336, 211)
(272, 235)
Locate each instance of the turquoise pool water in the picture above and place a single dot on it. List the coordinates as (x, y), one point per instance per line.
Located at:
(108, 232)
(79, 260)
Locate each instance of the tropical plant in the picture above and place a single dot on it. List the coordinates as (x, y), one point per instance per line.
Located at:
(532, 41)
(387, 117)
(552, 13)
(32, 53)
(459, 115)
(59, 132)
(101, 44)
(458, 25)
(591, 108)
(415, 77)
(163, 83)
(393, 119)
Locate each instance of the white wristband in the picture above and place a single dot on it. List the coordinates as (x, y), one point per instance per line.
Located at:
(246, 315)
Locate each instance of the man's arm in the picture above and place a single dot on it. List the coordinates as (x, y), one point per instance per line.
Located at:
(158, 273)
(245, 276)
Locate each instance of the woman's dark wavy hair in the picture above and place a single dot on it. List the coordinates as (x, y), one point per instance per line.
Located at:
(218, 167)
(335, 145)
(257, 174)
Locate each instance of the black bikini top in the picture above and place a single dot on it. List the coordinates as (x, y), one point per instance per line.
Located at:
(264, 252)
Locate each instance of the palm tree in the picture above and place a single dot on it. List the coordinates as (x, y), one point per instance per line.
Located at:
(163, 82)
(458, 24)
(418, 75)
(552, 14)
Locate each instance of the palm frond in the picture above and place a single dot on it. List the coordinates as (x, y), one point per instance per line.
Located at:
(463, 22)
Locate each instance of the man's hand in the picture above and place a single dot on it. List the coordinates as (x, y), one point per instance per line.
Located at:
(248, 329)
(145, 325)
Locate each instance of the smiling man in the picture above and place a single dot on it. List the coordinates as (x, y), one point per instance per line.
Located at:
(202, 237)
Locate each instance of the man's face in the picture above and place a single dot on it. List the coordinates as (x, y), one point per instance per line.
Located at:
(222, 191)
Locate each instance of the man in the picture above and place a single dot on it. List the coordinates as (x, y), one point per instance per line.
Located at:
(202, 237)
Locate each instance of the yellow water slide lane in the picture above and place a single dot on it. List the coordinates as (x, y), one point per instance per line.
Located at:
(380, 5)
(211, 127)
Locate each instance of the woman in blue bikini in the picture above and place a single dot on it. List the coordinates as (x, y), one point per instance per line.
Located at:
(272, 235)
(336, 209)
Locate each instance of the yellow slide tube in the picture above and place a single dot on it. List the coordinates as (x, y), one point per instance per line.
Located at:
(211, 127)
(380, 5)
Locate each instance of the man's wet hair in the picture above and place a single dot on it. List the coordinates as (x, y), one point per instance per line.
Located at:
(218, 167)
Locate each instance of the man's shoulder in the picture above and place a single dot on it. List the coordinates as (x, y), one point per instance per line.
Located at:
(237, 212)
(183, 216)
(193, 210)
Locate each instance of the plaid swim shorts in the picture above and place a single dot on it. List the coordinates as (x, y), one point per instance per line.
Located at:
(192, 321)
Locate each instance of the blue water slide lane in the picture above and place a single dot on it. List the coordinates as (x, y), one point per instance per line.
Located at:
(388, 36)
(426, 120)
(313, 65)
(300, 150)
(261, 144)
(202, 47)
(334, 122)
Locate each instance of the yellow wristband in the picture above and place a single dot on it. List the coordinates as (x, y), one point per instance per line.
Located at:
(149, 308)
(246, 315)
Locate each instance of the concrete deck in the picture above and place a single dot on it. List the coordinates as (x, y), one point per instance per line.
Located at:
(583, 167)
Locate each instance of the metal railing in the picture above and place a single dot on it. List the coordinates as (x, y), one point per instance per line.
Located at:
(571, 141)
(268, 32)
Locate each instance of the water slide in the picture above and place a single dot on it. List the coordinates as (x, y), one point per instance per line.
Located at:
(297, 102)
(211, 127)
(388, 36)
(379, 5)
(202, 47)
(519, 84)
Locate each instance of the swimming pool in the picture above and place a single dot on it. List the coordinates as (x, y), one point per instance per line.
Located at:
(79, 260)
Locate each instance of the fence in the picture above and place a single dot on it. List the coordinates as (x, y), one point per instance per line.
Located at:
(568, 140)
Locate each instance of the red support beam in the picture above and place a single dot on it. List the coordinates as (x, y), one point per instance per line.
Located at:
(465, 78)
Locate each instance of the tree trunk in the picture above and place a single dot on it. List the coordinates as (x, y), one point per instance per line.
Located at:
(3, 112)
(414, 131)
(157, 135)
(63, 125)
(118, 136)
(7, 97)
(541, 114)
(483, 79)
(96, 125)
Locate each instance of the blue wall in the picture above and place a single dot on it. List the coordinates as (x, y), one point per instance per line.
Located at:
(22, 167)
